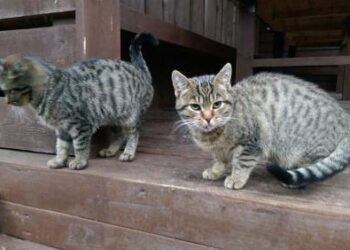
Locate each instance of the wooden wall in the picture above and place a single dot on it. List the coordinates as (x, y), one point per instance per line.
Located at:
(214, 19)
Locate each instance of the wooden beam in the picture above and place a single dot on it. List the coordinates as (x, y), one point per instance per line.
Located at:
(98, 29)
(134, 21)
(302, 61)
(339, 10)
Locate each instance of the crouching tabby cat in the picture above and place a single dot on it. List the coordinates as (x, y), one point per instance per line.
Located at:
(76, 101)
(298, 128)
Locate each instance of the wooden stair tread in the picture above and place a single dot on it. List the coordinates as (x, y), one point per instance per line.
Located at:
(11, 243)
(155, 189)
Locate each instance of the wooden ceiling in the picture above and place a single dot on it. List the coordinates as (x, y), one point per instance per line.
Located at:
(306, 22)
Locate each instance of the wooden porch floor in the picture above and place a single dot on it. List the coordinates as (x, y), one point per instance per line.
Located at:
(159, 201)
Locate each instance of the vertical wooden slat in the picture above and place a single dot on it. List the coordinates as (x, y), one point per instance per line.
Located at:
(169, 11)
(209, 23)
(227, 35)
(154, 8)
(138, 5)
(182, 14)
(218, 19)
(197, 16)
(98, 29)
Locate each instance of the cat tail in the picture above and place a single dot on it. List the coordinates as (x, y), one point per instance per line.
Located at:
(336, 162)
(135, 48)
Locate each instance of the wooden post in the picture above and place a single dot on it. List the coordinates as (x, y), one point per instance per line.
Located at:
(97, 29)
(245, 45)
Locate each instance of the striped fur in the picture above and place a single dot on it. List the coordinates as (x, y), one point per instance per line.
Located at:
(78, 100)
(298, 128)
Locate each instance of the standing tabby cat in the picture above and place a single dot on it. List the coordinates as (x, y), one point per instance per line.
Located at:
(76, 101)
(298, 128)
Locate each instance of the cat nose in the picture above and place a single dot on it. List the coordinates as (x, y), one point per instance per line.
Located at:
(207, 115)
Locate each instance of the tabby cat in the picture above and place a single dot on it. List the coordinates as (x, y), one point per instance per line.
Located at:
(76, 101)
(296, 127)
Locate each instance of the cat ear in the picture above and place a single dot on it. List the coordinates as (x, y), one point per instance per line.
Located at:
(224, 76)
(180, 82)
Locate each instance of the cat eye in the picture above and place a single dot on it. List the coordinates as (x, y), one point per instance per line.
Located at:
(195, 107)
(217, 104)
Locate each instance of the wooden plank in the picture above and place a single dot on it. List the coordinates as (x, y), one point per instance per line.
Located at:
(166, 196)
(34, 136)
(55, 44)
(197, 16)
(210, 17)
(22, 8)
(154, 8)
(172, 34)
(228, 23)
(182, 14)
(98, 29)
(70, 232)
(7, 242)
(302, 61)
(169, 11)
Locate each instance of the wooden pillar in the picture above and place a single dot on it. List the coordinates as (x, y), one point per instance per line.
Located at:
(245, 45)
(97, 29)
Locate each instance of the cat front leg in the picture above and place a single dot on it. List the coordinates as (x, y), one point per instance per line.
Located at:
(81, 144)
(63, 143)
(132, 137)
(218, 170)
(243, 162)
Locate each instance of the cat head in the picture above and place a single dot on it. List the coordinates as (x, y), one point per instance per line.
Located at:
(204, 103)
(18, 76)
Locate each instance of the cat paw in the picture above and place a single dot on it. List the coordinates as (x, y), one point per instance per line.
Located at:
(209, 174)
(77, 164)
(233, 182)
(56, 163)
(126, 156)
(105, 153)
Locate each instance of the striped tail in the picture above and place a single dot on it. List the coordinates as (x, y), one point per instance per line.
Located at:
(136, 45)
(336, 162)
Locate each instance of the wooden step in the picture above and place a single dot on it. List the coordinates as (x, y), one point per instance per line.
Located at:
(11, 243)
(161, 200)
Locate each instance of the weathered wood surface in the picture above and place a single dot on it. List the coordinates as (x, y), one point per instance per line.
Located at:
(162, 193)
(11, 243)
(55, 44)
(98, 29)
(23, 8)
(70, 232)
